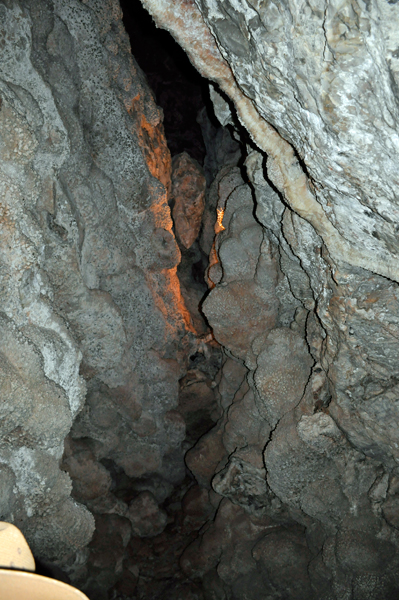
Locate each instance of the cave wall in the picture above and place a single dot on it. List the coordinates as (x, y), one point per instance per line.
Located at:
(305, 303)
(297, 492)
(94, 329)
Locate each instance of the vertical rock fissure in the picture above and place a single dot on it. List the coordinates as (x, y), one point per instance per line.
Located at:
(170, 435)
(315, 370)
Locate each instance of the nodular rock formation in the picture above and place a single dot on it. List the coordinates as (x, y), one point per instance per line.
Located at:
(135, 455)
(95, 333)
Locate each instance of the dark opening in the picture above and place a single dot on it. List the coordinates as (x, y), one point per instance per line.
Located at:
(179, 89)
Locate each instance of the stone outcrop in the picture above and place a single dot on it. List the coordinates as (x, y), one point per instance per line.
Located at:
(132, 455)
(188, 196)
(90, 299)
(305, 299)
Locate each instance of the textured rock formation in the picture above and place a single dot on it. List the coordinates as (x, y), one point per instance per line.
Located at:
(90, 299)
(108, 375)
(305, 454)
(188, 196)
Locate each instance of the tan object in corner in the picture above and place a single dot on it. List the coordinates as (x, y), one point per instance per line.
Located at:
(17, 580)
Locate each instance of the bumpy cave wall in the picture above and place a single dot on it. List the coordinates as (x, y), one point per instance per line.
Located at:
(106, 377)
(90, 301)
(305, 299)
(108, 374)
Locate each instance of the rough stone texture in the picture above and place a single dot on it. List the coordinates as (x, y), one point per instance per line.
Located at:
(315, 86)
(145, 516)
(298, 492)
(244, 305)
(188, 194)
(90, 297)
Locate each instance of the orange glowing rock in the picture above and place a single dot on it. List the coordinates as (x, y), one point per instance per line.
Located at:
(219, 222)
(153, 142)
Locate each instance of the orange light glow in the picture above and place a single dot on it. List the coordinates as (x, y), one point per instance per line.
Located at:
(220, 212)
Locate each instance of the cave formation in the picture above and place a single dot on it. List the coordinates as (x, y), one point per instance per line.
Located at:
(199, 296)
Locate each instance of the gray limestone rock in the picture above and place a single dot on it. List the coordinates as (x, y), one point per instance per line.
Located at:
(315, 86)
(89, 293)
(146, 517)
(301, 465)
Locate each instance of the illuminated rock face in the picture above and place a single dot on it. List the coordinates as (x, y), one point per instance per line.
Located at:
(307, 449)
(298, 478)
(188, 194)
(90, 299)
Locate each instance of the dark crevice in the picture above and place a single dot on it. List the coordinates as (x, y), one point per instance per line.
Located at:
(178, 88)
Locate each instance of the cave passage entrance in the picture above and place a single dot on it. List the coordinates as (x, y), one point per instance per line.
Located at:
(179, 89)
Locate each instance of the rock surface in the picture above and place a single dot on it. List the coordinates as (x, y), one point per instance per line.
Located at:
(305, 298)
(188, 195)
(109, 373)
(91, 303)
